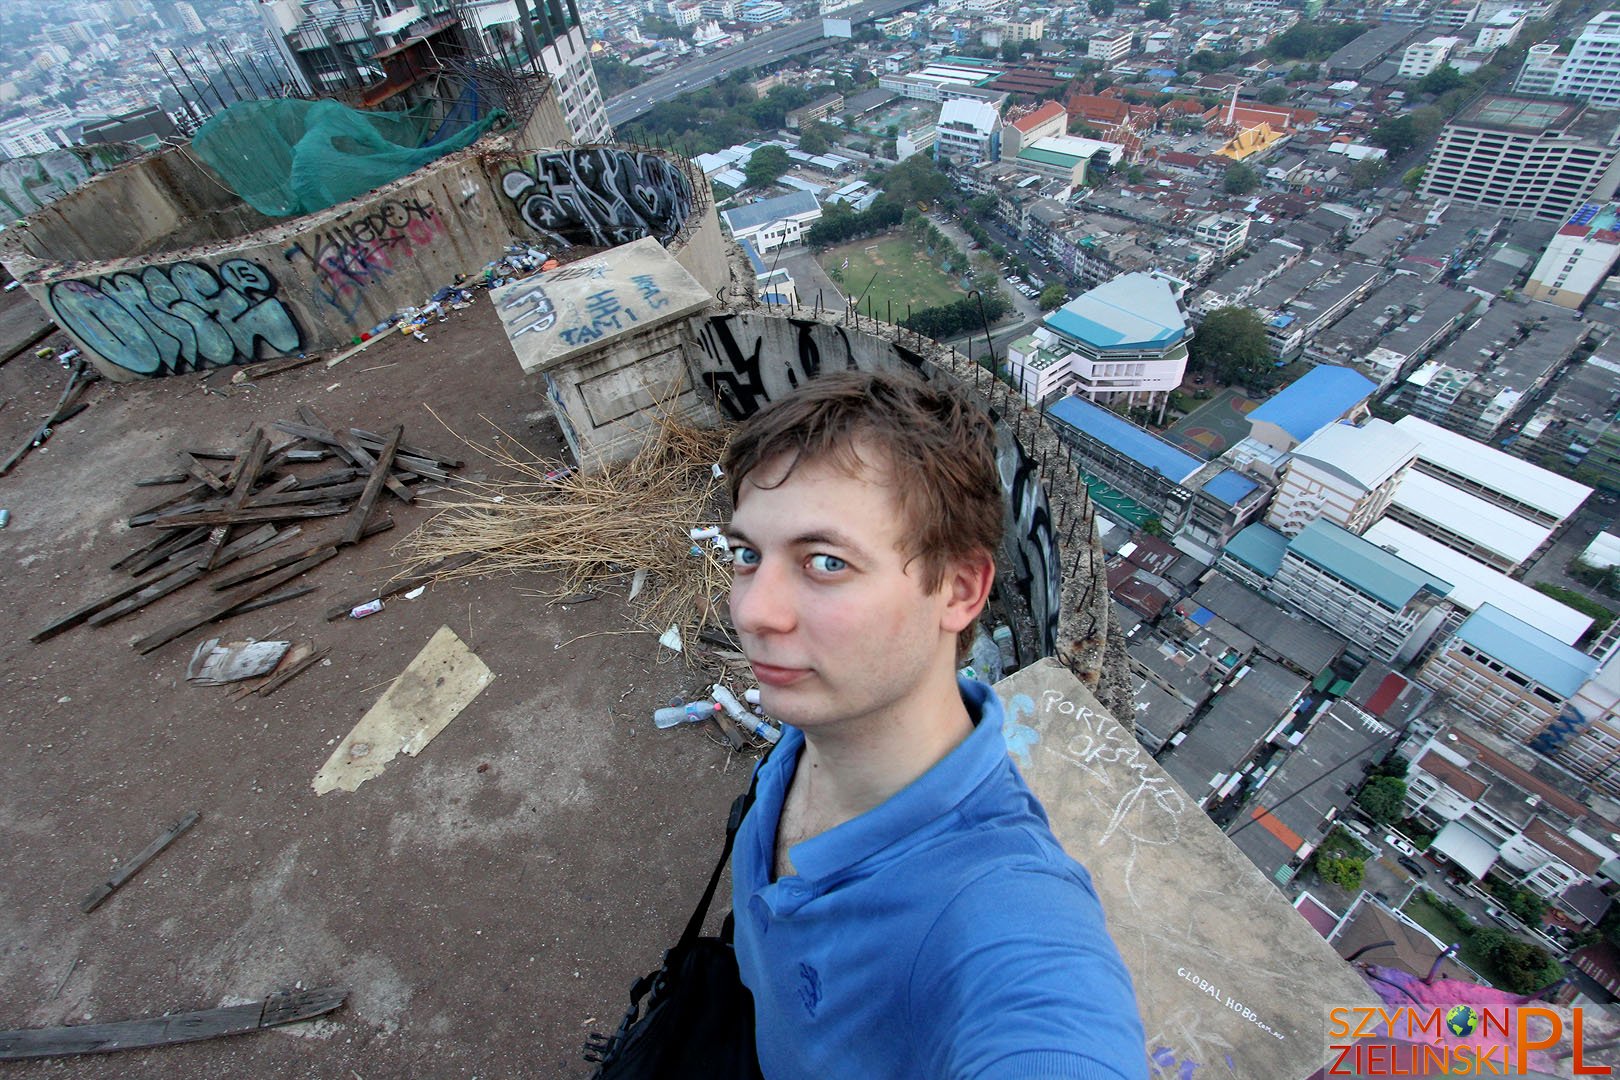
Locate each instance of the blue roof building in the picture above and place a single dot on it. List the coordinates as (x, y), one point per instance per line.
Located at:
(1259, 550)
(1124, 341)
(772, 222)
(1310, 403)
(1132, 462)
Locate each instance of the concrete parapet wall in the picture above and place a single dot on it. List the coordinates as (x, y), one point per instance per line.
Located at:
(1230, 979)
(317, 281)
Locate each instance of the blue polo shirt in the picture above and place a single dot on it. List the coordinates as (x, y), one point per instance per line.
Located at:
(942, 934)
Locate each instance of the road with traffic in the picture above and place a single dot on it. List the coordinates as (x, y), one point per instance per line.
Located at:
(758, 51)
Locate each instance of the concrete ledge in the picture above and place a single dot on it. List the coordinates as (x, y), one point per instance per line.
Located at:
(1231, 980)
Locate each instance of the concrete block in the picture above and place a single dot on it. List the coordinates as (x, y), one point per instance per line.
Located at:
(1231, 980)
(580, 308)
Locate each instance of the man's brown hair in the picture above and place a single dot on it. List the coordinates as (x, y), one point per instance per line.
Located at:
(935, 450)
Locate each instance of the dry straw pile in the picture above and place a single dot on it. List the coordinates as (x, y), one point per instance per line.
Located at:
(596, 529)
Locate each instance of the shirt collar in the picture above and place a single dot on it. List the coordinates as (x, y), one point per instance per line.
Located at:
(926, 799)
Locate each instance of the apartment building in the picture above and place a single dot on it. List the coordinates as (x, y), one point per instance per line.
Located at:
(1497, 817)
(1226, 233)
(1542, 66)
(1109, 46)
(1342, 474)
(1422, 57)
(1529, 157)
(1579, 258)
(1386, 607)
(967, 132)
(1592, 70)
(773, 222)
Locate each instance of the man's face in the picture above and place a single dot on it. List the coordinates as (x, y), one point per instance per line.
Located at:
(837, 627)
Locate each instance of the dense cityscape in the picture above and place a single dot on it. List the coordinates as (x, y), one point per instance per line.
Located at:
(1320, 300)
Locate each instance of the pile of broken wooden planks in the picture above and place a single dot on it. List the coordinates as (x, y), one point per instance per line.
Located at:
(80, 376)
(243, 503)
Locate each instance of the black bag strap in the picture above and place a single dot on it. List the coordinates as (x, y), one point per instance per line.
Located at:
(739, 809)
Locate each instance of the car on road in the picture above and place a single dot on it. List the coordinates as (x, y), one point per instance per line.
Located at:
(1413, 865)
(1400, 845)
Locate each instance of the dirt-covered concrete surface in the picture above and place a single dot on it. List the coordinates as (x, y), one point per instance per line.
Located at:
(486, 903)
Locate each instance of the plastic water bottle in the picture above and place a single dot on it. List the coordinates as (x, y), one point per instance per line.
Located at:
(745, 719)
(684, 714)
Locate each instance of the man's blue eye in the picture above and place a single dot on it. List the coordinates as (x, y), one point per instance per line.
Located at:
(827, 564)
(744, 556)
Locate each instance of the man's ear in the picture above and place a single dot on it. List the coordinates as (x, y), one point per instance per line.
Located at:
(967, 589)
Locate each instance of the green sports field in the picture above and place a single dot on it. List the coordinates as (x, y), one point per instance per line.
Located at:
(905, 275)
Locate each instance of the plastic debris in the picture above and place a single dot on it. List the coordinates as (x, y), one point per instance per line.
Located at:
(671, 639)
(370, 607)
(637, 580)
(5, 518)
(213, 664)
(414, 593)
(676, 715)
(744, 719)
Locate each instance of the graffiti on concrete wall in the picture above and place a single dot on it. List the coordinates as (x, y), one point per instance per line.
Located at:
(181, 317)
(31, 183)
(744, 373)
(600, 196)
(1031, 542)
(350, 255)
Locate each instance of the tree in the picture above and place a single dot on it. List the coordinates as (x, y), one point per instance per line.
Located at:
(1342, 870)
(1010, 52)
(813, 141)
(1101, 8)
(1273, 94)
(1231, 344)
(1397, 135)
(768, 163)
(1158, 9)
(1525, 967)
(1366, 173)
(1441, 79)
(1383, 798)
(1053, 296)
(1241, 178)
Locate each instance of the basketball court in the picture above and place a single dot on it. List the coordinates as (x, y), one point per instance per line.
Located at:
(1215, 426)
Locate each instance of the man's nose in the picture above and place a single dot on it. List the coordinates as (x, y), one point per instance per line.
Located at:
(762, 602)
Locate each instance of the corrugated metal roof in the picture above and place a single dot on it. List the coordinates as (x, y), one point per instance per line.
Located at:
(1492, 469)
(1229, 486)
(754, 215)
(1388, 578)
(1259, 547)
(1133, 311)
(1315, 400)
(1122, 435)
(1561, 668)
(1369, 454)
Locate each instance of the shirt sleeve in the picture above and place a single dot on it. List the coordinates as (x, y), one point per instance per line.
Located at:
(1019, 978)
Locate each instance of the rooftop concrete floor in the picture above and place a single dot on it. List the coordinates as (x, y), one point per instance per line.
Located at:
(482, 920)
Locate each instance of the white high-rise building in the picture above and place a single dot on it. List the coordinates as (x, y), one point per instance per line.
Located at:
(1593, 68)
(1423, 57)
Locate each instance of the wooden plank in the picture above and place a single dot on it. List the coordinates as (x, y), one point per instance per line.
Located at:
(285, 1007)
(371, 438)
(282, 678)
(162, 479)
(272, 367)
(177, 578)
(133, 867)
(318, 430)
(403, 585)
(190, 495)
(210, 453)
(244, 476)
(206, 476)
(79, 615)
(227, 605)
(242, 517)
(248, 573)
(76, 382)
(302, 456)
(374, 485)
(308, 495)
(274, 598)
(161, 548)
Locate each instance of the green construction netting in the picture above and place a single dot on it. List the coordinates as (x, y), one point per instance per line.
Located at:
(291, 156)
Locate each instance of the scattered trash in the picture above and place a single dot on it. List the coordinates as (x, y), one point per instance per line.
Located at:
(716, 471)
(442, 680)
(5, 518)
(213, 664)
(710, 533)
(13, 285)
(483, 767)
(743, 718)
(675, 715)
(637, 580)
(414, 593)
(751, 695)
(671, 639)
(370, 607)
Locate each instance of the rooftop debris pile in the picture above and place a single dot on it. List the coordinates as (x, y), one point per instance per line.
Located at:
(621, 524)
(242, 503)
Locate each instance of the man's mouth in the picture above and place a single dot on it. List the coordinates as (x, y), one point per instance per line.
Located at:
(771, 675)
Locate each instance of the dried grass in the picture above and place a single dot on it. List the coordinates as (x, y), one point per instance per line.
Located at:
(594, 530)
